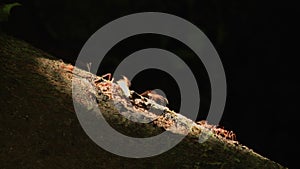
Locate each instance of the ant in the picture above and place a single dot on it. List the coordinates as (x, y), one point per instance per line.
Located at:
(154, 96)
(149, 93)
(106, 78)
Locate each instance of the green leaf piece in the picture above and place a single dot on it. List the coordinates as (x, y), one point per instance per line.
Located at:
(5, 10)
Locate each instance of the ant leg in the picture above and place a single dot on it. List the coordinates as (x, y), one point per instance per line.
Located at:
(98, 79)
(108, 75)
(145, 93)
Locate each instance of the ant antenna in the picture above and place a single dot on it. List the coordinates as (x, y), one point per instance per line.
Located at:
(89, 66)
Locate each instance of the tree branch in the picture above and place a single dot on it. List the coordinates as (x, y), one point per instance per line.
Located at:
(39, 127)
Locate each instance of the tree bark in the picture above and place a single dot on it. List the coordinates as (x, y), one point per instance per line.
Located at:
(39, 127)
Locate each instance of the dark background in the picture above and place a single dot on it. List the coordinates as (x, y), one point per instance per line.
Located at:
(257, 43)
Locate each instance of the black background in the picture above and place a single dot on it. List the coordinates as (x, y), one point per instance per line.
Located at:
(257, 43)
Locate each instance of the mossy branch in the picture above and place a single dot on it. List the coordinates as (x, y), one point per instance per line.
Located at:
(39, 127)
